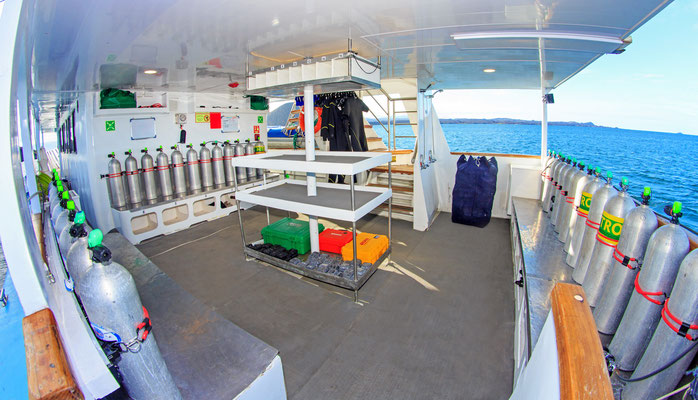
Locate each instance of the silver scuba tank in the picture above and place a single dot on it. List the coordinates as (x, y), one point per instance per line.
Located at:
(116, 183)
(559, 201)
(554, 186)
(71, 232)
(150, 189)
(228, 154)
(249, 151)
(674, 336)
(217, 166)
(240, 172)
(205, 167)
(594, 185)
(598, 202)
(259, 149)
(614, 214)
(162, 166)
(57, 197)
(637, 229)
(668, 245)
(59, 207)
(52, 189)
(178, 180)
(110, 299)
(79, 258)
(574, 212)
(566, 178)
(548, 182)
(193, 176)
(133, 180)
(65, 218)
(574, 194)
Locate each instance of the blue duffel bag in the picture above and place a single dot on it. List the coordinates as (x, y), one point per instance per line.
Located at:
(473, 193)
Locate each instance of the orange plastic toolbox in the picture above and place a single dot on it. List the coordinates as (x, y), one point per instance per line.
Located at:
(369, 247)
(332, 240)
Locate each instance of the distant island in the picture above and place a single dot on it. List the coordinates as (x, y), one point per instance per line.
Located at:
(508, 121)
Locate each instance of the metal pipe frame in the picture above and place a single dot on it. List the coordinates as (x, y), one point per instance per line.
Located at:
(237, 203)
(353, 234)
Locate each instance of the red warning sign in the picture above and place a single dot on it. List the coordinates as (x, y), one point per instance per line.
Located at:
(256, 129)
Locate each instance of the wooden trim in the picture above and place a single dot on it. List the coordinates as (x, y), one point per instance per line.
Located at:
(396, 169)
(39, 234)
(394, 152)
(583, 373)
(48, 373)
(457, 153)
(394, 188)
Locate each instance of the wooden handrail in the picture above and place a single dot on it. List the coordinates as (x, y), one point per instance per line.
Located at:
(583, 373)
(48, 373)
(494, 154)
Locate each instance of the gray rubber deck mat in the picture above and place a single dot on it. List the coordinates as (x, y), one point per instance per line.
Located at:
(208, 356)
(436, 323)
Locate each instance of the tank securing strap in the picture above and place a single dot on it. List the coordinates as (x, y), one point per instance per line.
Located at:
(683, 328)
(148, 169)
(648, 294)
(177, 165)
(115, 175)
(162, 167)
(134, 345)
(625, 260)
(129, 173)
(605, 241)
(570, 200)
(592, 224)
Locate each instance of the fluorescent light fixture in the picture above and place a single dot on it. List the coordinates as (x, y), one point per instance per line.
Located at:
(150, 71)
(489, 70)
(537, 35)
(274, 22)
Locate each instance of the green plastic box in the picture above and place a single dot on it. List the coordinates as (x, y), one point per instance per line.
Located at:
(290, 233)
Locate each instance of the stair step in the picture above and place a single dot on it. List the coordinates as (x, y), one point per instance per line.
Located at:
(398, 209)
(374, 139)
(396, 169)
(395, 188)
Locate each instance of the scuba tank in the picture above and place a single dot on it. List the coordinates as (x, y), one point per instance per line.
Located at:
(614, 213)
(249, 151)
(57, 199)
(79, 258)
(554, 184)
(193, 176)
(564, 192)
(52, 191)
(561, 187)
(112, 304)
(163, 170)
(240, 172)
(598, 202)
(675, 335)
(569, 217)
(548, 182)
(668, 245)
(205, 166)
(132, 179)
(575, 242)
(217, 166)
(71, 232)
(178, 180)
(59, 207)
(637, 229)
(65, 218)
(228, 154)
(259, 149)
(148, 172)
(116, 183)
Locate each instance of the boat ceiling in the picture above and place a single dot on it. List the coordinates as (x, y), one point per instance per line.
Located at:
(203, 46)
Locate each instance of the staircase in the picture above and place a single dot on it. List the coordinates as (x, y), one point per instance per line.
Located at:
(403, 185)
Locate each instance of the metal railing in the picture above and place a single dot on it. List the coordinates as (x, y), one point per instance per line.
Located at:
(390, 113)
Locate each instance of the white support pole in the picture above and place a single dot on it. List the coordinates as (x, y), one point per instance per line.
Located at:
(310, 156)
(544, 117)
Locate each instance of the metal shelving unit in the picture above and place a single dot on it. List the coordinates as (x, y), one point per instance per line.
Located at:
(335, 201)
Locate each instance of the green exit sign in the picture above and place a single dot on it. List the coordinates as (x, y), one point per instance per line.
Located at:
(110, 126)
(260, 119)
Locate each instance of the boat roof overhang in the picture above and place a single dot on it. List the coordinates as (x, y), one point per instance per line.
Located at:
(205, 45)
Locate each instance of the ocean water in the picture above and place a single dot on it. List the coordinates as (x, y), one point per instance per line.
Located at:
(665, 162)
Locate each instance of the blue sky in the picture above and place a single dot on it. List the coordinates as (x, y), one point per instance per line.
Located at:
(652, 86)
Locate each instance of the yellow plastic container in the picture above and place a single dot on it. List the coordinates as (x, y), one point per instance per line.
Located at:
(369, 247)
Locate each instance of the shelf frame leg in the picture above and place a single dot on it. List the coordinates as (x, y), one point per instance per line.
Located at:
(311, 180)
(237, 203)
(353, 233)
(264, 182)
(390, 203)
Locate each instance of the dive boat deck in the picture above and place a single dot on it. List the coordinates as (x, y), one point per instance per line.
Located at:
(435, 322)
